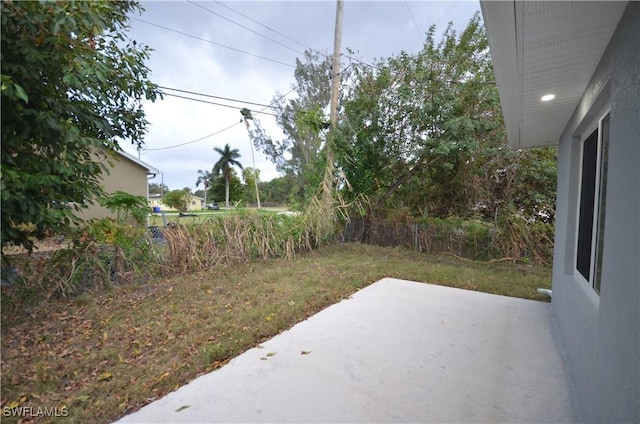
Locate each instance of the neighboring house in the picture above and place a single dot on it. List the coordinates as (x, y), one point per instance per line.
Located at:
(126, 173)
(588, 55)
(194, 203)
(155, 201)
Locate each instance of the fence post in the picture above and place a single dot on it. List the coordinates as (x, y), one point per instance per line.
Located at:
(495, 226)
(416, 238)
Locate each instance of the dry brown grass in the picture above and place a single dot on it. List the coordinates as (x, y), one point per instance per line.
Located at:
(235, 238)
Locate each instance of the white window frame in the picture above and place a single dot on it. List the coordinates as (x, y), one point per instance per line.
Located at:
(598, 213)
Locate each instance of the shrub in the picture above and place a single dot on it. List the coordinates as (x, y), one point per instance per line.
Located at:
(510, 237)
(126, 205)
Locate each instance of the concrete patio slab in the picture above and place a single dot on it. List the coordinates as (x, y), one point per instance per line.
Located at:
(396, 351)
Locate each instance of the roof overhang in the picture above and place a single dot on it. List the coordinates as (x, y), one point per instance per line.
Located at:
(150, 169)
(545, 47)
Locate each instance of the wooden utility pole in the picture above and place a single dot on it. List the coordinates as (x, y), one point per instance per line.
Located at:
(246, 115)
(335, 69)
(335, 79)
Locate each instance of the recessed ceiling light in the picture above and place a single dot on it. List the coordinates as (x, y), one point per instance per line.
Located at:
(548, 97)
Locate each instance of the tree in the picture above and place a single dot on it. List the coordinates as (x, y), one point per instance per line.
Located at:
(176, 199)
(73, 85)
(158, 188)
(223, 166)
(251, 178)
(126, 205)
(414, 123)
(277, 190)
(302, 121)
(204, 177)
(236, 188)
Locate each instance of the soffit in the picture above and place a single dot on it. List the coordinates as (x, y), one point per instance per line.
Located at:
(545, 47)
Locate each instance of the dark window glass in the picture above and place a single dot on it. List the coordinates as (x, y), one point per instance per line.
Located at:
(587, 198)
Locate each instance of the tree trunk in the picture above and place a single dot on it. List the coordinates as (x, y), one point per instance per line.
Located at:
(226, 191)
(396, 185)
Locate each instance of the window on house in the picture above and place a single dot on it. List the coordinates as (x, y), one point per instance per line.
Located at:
(593, 184)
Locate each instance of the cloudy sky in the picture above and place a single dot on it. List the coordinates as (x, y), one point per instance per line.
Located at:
(187, 38)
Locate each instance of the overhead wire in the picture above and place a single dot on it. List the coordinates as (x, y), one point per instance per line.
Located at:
(192, 141)
(265, 26)
(415, 24)
(219, 131)
(217, 97)
(276, 31)
(216, 103)
(211, 42)
(245, 27)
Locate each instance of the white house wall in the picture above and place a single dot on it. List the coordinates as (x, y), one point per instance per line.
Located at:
(601, 333)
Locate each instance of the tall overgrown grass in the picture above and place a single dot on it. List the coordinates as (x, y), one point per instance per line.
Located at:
(237, 238)
(106, 253)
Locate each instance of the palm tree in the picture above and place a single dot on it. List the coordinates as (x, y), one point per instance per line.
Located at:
(203, 177)
(227, 160)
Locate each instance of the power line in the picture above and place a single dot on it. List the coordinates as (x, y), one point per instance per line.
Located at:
(196, 140)
(247, 28)
(219, 131)
(217, 104)
(265, 26)
(244, 102)
(414, 21)
(360, 61)
(211, 42)
(217, 97)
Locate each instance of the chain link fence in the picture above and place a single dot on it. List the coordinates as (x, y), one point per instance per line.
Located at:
(511, 238)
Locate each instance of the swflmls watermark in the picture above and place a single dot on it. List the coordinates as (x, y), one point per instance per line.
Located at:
(35, 411)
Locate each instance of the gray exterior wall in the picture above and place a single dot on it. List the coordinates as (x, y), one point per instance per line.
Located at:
(601, 334)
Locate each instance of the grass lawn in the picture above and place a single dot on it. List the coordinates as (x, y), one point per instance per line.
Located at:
(105, 354)
(198, 217)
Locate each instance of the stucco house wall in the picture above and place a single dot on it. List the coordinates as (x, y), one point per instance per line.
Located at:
(588, 55)
(601, 333)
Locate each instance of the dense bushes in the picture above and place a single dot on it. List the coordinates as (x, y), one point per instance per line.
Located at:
(508, 237)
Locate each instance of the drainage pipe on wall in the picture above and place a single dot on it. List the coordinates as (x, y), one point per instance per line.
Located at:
(545, 291)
